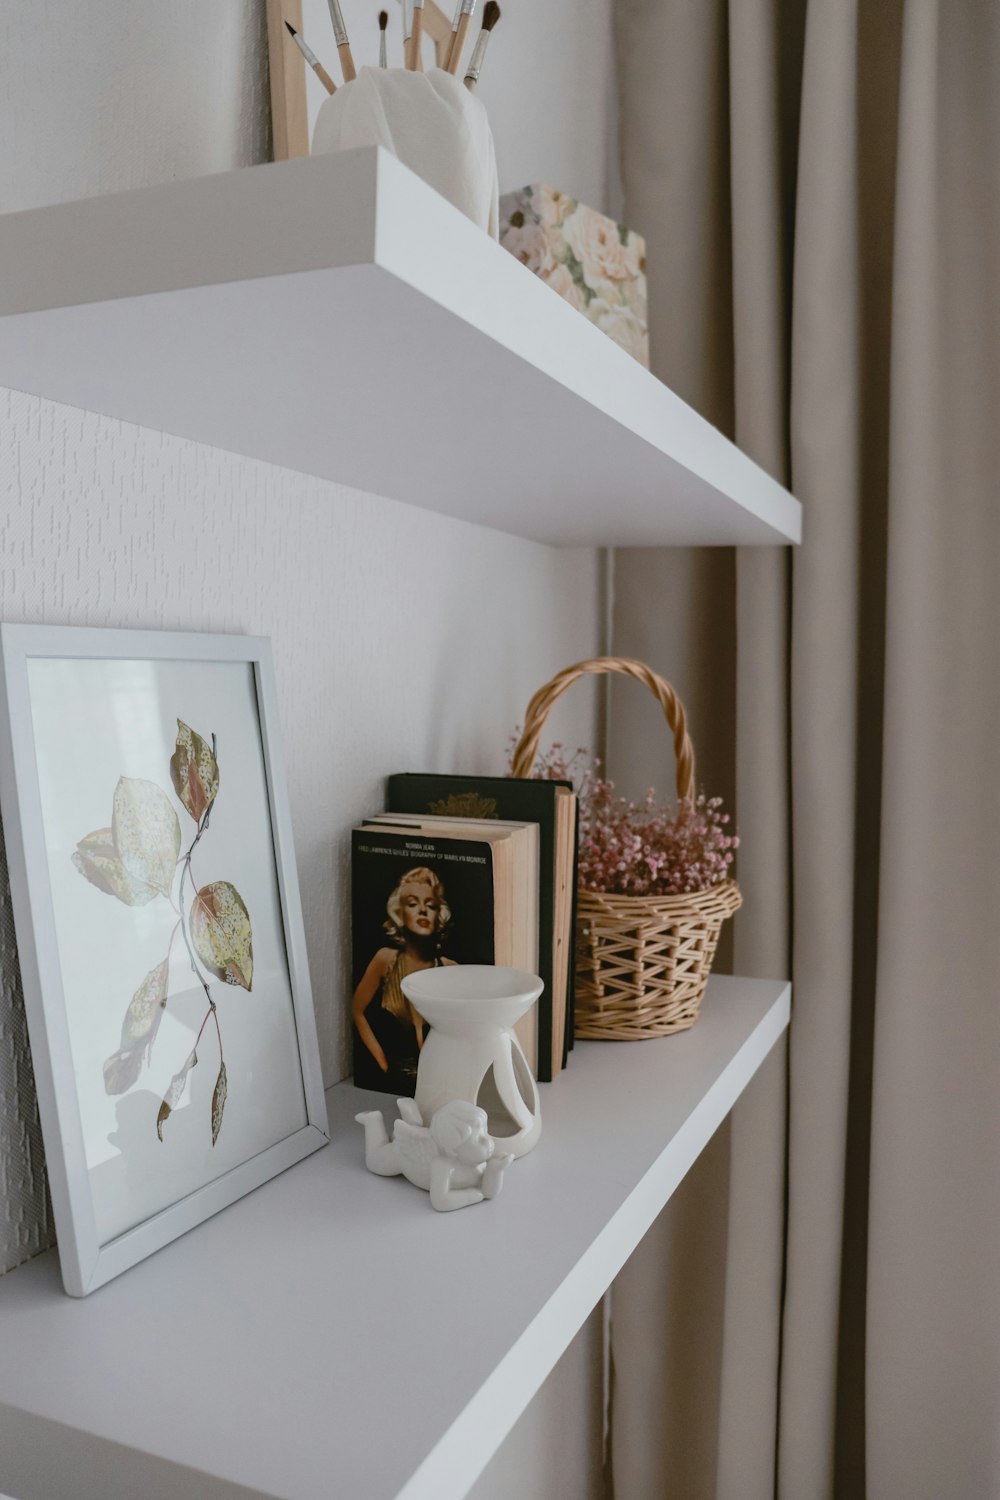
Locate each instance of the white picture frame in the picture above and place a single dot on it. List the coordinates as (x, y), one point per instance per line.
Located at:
(45, 670)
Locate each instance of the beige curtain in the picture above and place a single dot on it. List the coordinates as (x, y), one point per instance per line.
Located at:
(817, 1313)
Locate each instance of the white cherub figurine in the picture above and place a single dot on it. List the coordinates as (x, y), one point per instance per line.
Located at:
(454, 1159)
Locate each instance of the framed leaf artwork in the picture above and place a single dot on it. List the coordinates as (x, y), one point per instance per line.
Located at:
(159, 931)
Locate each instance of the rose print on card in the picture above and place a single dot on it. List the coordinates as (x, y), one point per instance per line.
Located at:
(596, 265)
(137, 860)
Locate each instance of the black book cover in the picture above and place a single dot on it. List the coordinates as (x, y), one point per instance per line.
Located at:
(519, 801)
(417, 901)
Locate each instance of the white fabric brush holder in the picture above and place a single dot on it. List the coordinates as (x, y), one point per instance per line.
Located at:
(471, 1051)
(431, 122)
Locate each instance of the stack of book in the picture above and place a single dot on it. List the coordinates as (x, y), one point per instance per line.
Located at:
(462, 869)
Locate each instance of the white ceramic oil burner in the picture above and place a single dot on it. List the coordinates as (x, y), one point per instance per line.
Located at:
(471, 1051)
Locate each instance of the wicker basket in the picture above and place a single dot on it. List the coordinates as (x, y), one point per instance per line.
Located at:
(642, 962)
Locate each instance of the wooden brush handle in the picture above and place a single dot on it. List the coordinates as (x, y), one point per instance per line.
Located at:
(416, 61)
(458, 45)
(347, 62)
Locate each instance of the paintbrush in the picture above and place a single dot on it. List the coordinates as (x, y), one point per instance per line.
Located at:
(454, 28)
(491, 15)
(312, 60)
(416, 62)
(343, 45)
(458, 40)
(383, 21)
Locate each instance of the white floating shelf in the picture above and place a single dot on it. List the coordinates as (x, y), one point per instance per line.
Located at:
(330, 1334)
(334, 315)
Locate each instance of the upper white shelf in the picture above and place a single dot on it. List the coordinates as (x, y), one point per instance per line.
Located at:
(330, 1334)
(334, 315)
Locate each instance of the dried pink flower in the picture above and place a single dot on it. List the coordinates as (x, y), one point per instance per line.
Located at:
(640, 849)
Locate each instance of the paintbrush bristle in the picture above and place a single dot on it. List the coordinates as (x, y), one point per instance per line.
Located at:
(383, 19)
(291, 28)
(491, 15)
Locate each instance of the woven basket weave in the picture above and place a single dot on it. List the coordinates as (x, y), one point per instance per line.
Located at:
(642, 962)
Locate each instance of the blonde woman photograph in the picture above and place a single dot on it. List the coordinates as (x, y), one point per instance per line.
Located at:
(390, 1030)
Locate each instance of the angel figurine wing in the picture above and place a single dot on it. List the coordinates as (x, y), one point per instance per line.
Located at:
(416, 1152)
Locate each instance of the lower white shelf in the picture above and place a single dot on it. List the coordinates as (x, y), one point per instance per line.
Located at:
(331, 1334)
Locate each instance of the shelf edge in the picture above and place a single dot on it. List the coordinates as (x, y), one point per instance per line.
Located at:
(635, 399)
(447, 1472)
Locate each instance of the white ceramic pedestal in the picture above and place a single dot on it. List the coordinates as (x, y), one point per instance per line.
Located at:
(471, 1051)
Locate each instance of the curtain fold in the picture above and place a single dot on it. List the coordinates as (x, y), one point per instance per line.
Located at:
(709, 176)
(764, 62)
(818, 183)
(933, 1390)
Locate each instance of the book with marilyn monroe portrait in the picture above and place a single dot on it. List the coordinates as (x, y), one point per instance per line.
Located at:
(427, 893)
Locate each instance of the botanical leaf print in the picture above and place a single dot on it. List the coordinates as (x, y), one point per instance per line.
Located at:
(97, 861)
(137, 859)
(220, 931)
(218, 1102)
(139, 1028)
(147, 833)
(121, 1070)
(146, 1008)
(194, 771)
(172, 1097)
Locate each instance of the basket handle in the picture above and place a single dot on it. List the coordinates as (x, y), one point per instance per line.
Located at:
(673, 711)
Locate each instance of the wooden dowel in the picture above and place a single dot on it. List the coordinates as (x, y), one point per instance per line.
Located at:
(289, 112)
(416, 39)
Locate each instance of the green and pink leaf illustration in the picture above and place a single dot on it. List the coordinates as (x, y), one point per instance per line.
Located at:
(219, 1102)
(138, 860)
(194, 772)
(139, 1028)
(97, 860)
(220, 930)
(146, 833)
(175, 1093)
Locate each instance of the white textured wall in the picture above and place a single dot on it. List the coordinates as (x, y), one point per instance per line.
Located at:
(102, 96)
(401, 639)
